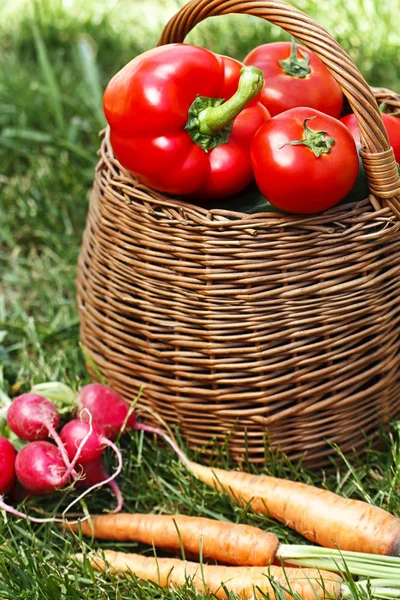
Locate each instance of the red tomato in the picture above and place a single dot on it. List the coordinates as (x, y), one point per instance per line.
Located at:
(290, 175)
(392, 125)
(282, 91)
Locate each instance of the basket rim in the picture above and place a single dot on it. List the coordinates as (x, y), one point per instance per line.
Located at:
(187, 213)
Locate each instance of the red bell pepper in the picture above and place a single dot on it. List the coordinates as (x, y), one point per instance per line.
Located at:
(182, 120)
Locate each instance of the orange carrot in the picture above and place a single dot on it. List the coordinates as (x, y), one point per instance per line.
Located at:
(227, 542)
(319, 515)
(246, 582)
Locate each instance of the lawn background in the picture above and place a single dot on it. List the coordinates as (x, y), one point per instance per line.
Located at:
(55, 60)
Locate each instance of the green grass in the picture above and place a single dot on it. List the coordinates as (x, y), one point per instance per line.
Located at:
(37, 560)
(55, 59)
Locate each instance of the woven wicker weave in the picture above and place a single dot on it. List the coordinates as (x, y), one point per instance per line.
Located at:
(251, 324)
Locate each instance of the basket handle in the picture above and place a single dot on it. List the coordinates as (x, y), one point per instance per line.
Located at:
(376, 153)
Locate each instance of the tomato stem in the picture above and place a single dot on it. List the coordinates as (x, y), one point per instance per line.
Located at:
(317, 141)
(210, 119)
(295, 66)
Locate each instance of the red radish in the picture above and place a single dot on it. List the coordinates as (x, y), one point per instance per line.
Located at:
(94, 473)
(40, 468)
(32, 417)
(72, 435)
(104, 413)
(88, 442)
(104, 407)
(7, 465)
(99, 477)
(8, 469)
(108, 409)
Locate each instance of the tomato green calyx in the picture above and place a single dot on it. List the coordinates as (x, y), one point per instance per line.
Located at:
(210, 119)
(295, 66)
(317, 141)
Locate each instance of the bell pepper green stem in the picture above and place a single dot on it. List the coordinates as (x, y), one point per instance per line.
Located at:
(210, 120)
(213, 119)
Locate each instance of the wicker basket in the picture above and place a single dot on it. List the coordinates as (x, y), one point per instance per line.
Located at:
(251, 324)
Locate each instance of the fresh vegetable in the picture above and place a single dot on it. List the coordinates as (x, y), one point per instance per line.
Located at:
(391, 123)
(246, 582)
(87, 441)
(106, 408)
(294, 76)
(360, 189)
(304, 161)
(74, 432)
(33, 417)
(181, 120)
(251, 201)
(40, 468)
(229, 543)
(7, 465)
(321, 516)
(94, 474)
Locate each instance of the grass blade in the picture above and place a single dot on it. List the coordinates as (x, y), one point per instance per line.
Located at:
(92, 77)
(48, 76)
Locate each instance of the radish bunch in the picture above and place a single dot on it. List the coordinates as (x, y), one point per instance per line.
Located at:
(7, 465)
(75, 454)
